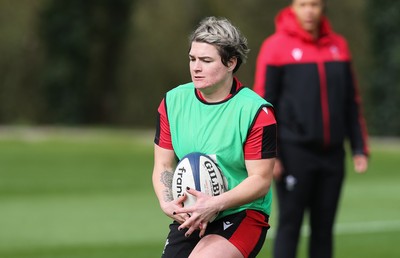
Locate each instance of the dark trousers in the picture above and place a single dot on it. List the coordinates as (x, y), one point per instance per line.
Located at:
(312, 183)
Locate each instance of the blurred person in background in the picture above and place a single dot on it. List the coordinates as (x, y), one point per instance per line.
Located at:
(304, 69)
(216, 115)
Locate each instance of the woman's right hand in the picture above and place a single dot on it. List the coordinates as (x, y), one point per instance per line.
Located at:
(169, 208)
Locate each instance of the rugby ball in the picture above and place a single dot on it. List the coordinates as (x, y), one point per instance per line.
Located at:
(200, 172)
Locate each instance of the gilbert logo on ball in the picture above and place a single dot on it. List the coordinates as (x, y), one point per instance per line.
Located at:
(198, 171)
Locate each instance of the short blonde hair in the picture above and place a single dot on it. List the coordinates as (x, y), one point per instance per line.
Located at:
(222, 34)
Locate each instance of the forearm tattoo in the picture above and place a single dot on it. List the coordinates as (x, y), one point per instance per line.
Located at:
(166, 179)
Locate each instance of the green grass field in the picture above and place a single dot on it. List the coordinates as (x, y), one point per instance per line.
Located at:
(87, 194)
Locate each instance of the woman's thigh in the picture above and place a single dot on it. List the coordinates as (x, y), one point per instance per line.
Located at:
(215, 246)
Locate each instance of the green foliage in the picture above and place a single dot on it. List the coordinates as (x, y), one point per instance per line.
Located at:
(20, 62)
(111, 61)
(384, 92)
(83, 42)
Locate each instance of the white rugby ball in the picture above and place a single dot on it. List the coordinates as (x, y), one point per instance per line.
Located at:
(197, 171)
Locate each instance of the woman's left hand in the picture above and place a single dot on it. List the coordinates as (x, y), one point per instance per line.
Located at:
(200, 213)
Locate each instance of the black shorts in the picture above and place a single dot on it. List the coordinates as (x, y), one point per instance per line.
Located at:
(246, 230)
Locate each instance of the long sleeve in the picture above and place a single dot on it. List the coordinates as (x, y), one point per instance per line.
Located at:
(356, 126)
(268, 73)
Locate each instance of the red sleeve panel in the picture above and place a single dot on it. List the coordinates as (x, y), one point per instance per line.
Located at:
(267, 59)
(262, 142)
(163, 133)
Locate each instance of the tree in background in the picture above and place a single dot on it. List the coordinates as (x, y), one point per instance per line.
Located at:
(20, 63)
(384, 88)
(104, 62)
(83, 42)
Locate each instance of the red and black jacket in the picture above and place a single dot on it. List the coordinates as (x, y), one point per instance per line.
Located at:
(311, 85)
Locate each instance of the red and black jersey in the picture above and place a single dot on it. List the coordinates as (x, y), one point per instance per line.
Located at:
(311, 85)
(260, 142)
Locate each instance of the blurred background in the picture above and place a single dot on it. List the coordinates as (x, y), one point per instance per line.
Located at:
(80, 83)
(109, 62)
